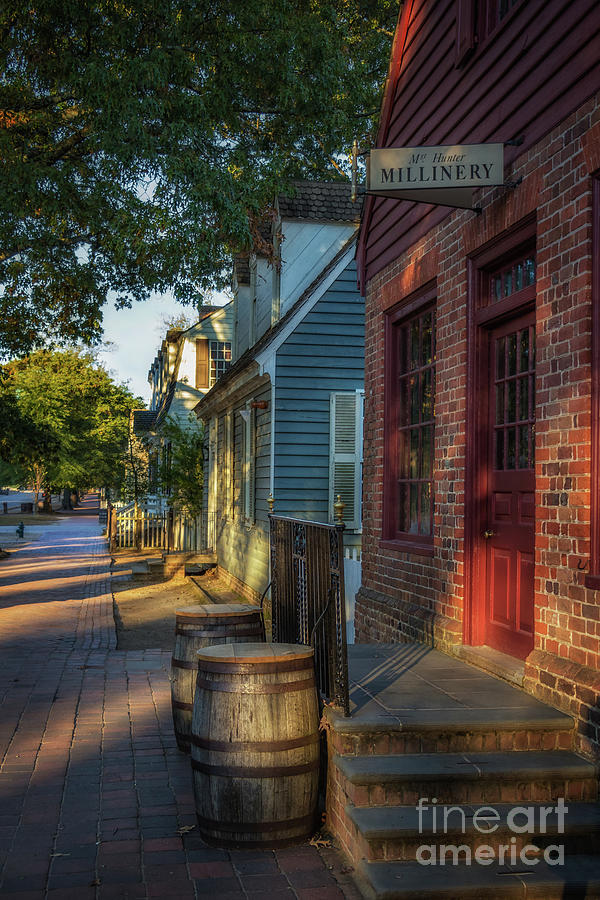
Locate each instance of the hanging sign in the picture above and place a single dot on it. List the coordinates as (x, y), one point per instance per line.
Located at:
(446, 176)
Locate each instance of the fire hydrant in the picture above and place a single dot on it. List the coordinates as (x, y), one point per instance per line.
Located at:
(20, 529)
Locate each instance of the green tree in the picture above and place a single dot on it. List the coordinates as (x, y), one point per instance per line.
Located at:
(181, 471)
(78, 413)
(140, 140)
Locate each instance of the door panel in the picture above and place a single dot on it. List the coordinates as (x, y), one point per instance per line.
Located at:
(510, 526)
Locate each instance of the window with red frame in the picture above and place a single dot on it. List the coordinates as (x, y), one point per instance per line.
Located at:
(410, 426)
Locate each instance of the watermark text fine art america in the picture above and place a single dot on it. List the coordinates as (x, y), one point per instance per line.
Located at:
(486, 820)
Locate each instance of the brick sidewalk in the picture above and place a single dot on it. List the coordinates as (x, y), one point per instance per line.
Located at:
(95, 799)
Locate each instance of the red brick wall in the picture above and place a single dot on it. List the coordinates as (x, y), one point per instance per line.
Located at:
(422, 597)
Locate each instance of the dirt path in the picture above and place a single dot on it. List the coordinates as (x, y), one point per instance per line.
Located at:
(145, 612)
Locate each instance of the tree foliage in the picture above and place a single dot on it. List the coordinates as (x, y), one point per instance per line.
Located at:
(77, 414)
(181, 469)
(137, 138)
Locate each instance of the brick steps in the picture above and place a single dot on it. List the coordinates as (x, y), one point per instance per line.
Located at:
(427, 726)
(396, 832)
(442, 731)
(517, 776)
(578, 878)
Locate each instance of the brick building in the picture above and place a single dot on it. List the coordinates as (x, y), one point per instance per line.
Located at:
(482, 388)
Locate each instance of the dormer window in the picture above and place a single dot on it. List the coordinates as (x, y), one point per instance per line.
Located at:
(213, 358)
(220, 359)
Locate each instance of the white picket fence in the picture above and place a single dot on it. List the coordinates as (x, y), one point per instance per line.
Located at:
(352, 581)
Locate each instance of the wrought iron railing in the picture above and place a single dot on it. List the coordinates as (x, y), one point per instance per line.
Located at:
(307, 598)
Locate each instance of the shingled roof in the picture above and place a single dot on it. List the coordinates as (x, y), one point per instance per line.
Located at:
(143, 420)
(320, 200)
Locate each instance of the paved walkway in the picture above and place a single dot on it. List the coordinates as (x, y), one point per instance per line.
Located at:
(95, 799)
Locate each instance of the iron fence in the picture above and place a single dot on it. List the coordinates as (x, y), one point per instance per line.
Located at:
(307, 596)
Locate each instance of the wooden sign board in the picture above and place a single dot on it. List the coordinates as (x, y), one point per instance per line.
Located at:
(446, 175)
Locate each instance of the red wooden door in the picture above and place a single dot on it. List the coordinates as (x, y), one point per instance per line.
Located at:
(509, 530)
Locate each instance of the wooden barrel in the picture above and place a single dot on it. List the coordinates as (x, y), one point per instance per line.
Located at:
(203, 626)
(255, 745)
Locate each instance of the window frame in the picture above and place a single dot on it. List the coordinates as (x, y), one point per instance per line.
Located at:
(411, 307)
(211, 343)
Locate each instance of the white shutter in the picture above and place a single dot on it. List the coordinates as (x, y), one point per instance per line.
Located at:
(248, 462)
(345, 455)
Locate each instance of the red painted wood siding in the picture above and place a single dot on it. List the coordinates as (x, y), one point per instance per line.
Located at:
(539, 65)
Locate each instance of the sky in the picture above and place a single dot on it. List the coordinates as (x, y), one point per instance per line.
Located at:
(135, 336)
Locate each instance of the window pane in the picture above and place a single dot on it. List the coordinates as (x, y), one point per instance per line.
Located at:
(403, 454)
(508, 283)
(426, 452)
(500, 358)
(500, 403)
(403, 507)
(530, 271)
(523, 446)
(524, 397)
(426, 340)
(414, 509)
(427, 396)
(518, 276)
(414, 453)
(414, 344)
(425, 523)
(512, 354)
(497, 288)
(511, 450)
(511, 411)
(414, 399)
(524, 350)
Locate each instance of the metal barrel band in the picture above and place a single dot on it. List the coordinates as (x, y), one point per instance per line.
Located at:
(279, 687)
(183, 664)
(255, 771)
(179, 704)
(255, 630)
(255, 746)
(285, 665)
(282, 825)
(217, 620)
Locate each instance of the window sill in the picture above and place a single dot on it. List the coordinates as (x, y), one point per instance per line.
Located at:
(592, 581)
(414, 547)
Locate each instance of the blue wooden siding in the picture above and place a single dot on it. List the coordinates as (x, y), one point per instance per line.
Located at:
(243, 548)
(324, 354)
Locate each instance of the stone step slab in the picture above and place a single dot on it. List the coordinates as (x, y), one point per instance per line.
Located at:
(513, 776)
(533, 727)
(578, 878)
(397, 833)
